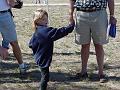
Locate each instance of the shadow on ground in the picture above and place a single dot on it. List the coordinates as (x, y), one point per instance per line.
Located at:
(9, 74)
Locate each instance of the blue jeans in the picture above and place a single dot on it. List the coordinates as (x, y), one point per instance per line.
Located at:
(44, 78)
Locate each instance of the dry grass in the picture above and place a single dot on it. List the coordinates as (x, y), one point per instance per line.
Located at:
(66, 59)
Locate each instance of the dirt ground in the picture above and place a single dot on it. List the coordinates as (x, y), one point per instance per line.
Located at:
(66, 58)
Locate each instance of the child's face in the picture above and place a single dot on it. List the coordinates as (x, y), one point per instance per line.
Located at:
(43, 21)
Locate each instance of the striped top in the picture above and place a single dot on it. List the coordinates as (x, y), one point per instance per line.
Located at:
(90, 4)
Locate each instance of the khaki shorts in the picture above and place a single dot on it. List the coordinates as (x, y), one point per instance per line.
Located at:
(91, 25)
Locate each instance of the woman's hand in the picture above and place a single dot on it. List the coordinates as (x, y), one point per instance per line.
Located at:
(3, 52)
(112, 20)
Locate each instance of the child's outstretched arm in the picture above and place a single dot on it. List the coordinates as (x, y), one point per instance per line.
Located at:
(58, 33)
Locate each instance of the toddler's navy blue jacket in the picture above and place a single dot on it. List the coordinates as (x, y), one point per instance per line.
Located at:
(42, 42)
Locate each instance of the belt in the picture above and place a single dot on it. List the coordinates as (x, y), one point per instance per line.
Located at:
(89, 10)
(4, 11)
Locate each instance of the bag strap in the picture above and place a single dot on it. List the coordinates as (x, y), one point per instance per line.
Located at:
(9, 10)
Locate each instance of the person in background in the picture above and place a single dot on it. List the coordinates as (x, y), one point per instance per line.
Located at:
(36, 1)
(92, 22)
(7, 29)
(42, 42)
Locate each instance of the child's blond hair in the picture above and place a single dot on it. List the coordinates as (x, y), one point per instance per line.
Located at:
(39, 14)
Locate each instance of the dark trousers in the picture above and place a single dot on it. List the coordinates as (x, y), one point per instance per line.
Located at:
(44, 78)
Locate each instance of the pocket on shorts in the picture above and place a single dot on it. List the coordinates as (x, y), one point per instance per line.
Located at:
(83, 16)
(77, 38)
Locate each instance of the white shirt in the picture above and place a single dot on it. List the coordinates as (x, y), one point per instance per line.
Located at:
(4, 5)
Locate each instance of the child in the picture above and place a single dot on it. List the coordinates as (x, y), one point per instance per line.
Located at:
(42, 42)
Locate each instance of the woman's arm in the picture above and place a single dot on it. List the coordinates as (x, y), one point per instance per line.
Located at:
(71, 9)
(111, 7)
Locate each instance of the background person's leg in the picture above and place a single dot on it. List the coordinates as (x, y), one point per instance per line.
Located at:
(100, 57)
(18, 55)
(84, 57)
(39, 1)
(17, 51)
(36, 2)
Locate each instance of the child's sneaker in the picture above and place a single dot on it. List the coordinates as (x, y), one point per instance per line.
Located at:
(24, 68)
